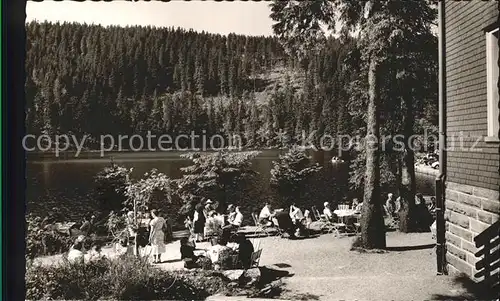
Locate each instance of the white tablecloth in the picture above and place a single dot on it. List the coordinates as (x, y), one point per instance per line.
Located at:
(343, 213)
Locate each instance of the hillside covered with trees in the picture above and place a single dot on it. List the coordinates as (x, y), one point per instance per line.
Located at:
(93, 80)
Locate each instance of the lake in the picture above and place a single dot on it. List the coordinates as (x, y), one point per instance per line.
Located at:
(67, 184)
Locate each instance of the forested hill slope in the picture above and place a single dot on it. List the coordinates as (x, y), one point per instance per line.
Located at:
(89, 79)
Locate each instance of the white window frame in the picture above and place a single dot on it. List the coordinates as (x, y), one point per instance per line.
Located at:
(492, 81)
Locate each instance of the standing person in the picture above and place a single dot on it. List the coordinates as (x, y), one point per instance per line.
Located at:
(199, 220)
(390, 205)
(132, 229)
(208, 208)
(156, 236)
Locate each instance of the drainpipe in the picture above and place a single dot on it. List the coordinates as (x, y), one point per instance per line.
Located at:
(440, 180)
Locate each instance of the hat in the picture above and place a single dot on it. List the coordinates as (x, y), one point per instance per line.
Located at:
(209, 201)
(389, 194)
(326, 204)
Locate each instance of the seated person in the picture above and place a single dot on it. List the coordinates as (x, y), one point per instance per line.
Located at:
(94, 253)
(218, 253)
(285, 223)
(355, 203)
(76, 254)
(308, 218)
(419, 198)
(236, 222)
(265, 216)
(187, 253)
(245, 250)
(231, 214)
(81, 229)
(432, 205)
(298, 220)
(425, 218)
(397, 205)
(327, 211)
(296, 214)
(359, 206)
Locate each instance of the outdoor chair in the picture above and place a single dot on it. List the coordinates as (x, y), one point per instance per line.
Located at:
(337, 226)
(255, 259)
(256, 244)
(259, 227)
(357, 225)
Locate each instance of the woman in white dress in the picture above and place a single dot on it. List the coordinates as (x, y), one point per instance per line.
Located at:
(156, 236)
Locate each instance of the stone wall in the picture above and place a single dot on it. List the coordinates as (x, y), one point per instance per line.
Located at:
(469, 211)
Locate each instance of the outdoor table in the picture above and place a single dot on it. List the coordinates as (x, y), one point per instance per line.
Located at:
(199, 252)
(344, 214)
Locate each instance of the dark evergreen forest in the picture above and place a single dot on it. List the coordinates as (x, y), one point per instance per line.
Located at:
(93, 80)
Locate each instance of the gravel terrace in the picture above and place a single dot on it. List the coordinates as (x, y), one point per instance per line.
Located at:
(323, 268)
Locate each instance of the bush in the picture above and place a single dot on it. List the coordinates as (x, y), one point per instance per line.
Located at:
(126, 278)
(111, 184)
(290, 177)
(43, 241)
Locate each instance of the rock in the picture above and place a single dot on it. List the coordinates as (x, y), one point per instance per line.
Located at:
(233, 275)
(252, 276)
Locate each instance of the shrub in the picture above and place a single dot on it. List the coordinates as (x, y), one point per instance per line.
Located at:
(290, 177)
(111, 184)
(126, 278)
(43, 241)
(224, 177)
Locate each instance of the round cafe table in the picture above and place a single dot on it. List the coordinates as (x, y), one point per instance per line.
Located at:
(343, 214)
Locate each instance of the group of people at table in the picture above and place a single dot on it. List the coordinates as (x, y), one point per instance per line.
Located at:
(292, 221)
(206, 220)
(221, 255)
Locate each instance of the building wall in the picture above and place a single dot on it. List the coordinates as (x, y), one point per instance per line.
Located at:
(472, 191)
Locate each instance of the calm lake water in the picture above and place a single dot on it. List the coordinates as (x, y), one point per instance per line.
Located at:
(67, 184)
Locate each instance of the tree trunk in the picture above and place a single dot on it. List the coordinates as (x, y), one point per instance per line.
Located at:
(372, 222)
(408, 185)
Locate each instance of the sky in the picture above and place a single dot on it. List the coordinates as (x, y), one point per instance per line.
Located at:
(249, 18)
